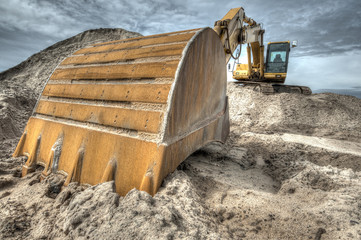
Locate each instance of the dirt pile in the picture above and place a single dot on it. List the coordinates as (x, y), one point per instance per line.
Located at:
(32, 73)
(21, 85)
(317, 115)
(98, 212)
(289, 170)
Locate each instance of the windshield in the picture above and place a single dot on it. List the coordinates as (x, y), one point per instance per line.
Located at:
(277, 57)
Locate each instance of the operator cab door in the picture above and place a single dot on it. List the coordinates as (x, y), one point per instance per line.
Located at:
(277, 57)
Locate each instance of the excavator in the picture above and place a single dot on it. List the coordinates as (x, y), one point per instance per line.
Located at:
(131, 110)
(265, 77)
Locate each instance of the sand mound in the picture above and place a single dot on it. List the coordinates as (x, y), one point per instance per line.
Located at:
(324, 114)
(289, 170)
(21, 85)
(32, 73)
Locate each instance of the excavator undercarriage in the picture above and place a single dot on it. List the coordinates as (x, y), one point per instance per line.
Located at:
(272, 88)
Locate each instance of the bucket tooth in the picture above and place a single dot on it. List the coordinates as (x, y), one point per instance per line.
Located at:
(20, 145)
(75, 172)
(147, 183)
(110, 170)
(136, 108)
(51, 164)
(30, 164)
(47, 169)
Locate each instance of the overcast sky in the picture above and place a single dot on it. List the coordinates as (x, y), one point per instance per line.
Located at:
(328, 31)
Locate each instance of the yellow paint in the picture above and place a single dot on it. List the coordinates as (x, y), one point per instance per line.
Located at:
(106, 129)
(279, 42)
(280, 77)
(149, 93)
(164, 69)
(231, 13)
(126, 55)
(137, 42)
(146, 121)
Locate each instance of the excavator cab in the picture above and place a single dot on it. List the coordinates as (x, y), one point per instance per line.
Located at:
(277, 61)
(267, 76)
(275, 66)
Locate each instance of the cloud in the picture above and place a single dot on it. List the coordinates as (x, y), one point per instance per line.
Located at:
(322, 28)
(28, 26)
(64, 18)
(333, 73)
(326, 30)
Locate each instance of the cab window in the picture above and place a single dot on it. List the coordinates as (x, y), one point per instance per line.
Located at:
(277, 57)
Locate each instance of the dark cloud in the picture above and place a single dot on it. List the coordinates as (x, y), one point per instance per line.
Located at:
(322, 28)
(28, 26)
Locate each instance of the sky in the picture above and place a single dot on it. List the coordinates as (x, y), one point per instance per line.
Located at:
(328, 31)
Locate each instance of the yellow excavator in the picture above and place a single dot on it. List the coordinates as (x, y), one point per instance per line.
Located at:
(266, 77)
(131, 110)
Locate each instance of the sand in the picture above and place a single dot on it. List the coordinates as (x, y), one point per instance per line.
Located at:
(290, 169)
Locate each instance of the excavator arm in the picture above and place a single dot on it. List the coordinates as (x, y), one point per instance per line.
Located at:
(229, 30)
(233, 31)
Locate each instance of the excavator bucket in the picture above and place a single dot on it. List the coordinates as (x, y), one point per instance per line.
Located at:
(129, 110)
